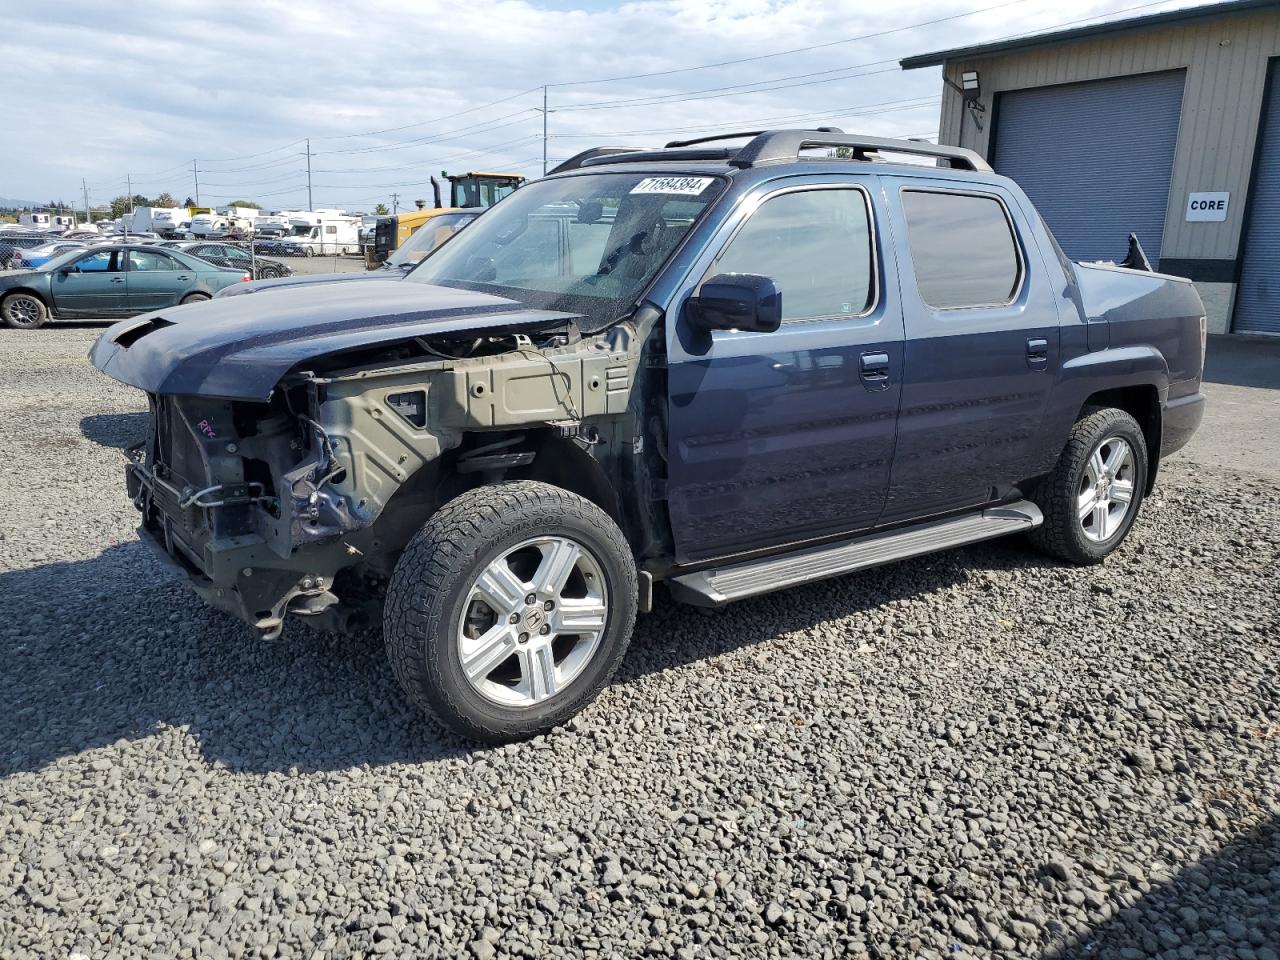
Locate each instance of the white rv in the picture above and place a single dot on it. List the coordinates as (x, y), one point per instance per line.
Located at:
(166, 220)
(209, 226)
(322, 233)
(35, 221)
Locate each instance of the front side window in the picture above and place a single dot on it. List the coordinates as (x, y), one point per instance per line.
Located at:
(100, 262)
(588, 243)
(816, 245)
(962, 248)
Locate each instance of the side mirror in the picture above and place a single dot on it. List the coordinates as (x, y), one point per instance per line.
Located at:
(737, 301)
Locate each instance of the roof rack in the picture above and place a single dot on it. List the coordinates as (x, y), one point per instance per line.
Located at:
(578, 159)
(770, 146)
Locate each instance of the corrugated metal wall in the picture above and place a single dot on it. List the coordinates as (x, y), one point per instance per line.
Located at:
(1095, 158)
(1226, 64)
(1258, 298)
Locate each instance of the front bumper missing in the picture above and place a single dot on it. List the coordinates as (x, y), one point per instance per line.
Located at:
(240, 575)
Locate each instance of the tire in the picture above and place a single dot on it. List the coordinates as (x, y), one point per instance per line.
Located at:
(435, 614)
(24, 311)
(308, 252)
(1105, 443)
(195, 298)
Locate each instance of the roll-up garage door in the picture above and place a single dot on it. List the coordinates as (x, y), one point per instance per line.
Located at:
(1095, 158)
(1258, 297)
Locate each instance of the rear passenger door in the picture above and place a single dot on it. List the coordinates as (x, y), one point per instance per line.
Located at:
(779, 437)
(156, 280)
(981, 345)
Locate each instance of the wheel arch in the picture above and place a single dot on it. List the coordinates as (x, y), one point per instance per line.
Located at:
(1142, 402)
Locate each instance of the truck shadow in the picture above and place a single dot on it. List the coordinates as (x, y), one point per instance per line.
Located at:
(118, 647)
(118, 430)
(1229, 899)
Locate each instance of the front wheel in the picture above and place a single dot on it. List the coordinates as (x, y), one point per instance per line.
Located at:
(24, 311)
(195, 298)
(1091, 498)
(510, 609)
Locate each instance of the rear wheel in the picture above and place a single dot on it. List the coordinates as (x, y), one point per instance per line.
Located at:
(24, 311)
(510, 609)
(195, 297)
(1092, 497)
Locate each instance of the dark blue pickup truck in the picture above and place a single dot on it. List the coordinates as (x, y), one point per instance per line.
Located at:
(731, 365)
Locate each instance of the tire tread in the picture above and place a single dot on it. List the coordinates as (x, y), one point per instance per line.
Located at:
(416, 601)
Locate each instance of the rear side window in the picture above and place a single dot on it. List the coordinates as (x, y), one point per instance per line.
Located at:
(149, 260)
(962, 248)
(816, 245)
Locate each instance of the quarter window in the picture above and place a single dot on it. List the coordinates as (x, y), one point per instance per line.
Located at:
(816, 245)
(962, 248)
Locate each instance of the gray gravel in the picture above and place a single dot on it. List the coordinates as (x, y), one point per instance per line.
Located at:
(972, 754)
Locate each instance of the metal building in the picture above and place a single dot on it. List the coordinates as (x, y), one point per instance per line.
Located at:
(1166, 125)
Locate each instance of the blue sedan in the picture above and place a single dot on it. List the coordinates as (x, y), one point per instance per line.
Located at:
(109, 282)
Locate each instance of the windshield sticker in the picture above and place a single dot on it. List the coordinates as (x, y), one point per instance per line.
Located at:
(682, 186)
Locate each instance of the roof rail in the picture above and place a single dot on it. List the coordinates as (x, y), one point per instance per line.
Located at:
(578, 159)
(771, 146)
(775, 145)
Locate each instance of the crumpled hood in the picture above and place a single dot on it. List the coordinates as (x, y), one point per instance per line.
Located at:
(238, 348)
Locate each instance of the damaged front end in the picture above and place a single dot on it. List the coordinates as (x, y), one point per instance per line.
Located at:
(235, 493)
(281, 507)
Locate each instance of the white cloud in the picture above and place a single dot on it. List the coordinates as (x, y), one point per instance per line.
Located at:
(101, 91)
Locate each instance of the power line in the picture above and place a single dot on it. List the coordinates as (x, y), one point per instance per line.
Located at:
(784, 53)
(421, 123)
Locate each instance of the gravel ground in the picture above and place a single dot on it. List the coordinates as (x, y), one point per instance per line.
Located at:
(973, 754)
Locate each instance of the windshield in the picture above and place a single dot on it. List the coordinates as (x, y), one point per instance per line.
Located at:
(583, 244)
(427, 237)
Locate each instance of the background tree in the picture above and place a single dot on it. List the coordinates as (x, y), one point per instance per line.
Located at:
(188, 202)
(244, 203)
(164, 200)
(381, 210)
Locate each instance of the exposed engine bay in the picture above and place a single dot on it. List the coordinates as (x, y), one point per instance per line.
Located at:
(281, 507)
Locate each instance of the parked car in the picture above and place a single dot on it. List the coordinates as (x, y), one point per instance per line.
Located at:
(120, 280)
(233, 257)
(404, 258)
(12, 241)
(33, 257)
(744, 368)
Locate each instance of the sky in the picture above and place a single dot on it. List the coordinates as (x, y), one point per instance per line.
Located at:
(392, 92)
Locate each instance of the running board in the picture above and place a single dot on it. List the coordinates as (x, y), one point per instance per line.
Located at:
(720, 585)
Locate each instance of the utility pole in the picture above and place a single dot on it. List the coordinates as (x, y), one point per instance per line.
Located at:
(195, 175)
(310, 202)
(544, 129)
(128, 179)
(87, 218)
(395, 204)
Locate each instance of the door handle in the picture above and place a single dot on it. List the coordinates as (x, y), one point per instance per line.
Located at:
(183, 277)
(1037, 353)
(117, 279)
(874, 369)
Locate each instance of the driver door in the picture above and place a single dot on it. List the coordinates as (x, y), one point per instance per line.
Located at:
(775, 438)
(92, 286)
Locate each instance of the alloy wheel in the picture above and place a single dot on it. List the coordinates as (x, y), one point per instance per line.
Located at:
(532, 621)
(23, 311)
(1106, 489)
